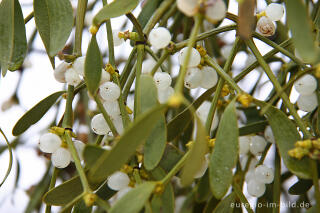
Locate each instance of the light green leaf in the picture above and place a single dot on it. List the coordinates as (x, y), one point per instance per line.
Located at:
(156, 142)
(33, 115)
(196, 156)
(225, 206)
(301, 29)
(54, 21)
(134, 136)
(225, 153)
(93, 66)
(13, 41)
(286, 134)
(134, 200)
(114, 9)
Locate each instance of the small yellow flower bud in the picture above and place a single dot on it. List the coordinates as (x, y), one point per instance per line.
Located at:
(139, 158)
(93, 29)
(89, 199)
(298, 152)
(175, 100)
(316, 143)
(225, 90)
(159, 188)
(129, 111)
(212, 142)
(109, 68)
(245, 99)
(306, 144)
(189, 144)
(201, 50)
(259, 15)
(127, 169)
(317, 71)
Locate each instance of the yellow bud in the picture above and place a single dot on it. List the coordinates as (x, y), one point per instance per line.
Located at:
(307, 144)
(225, 90)
(298, 152)
(89, 199)
(259, 15)
(201, 50)
(220, 103)
(139, 158)
(144, 174)
(129, 111)
(127, 169)
(211, 142)
(93, 29)
(109, 68)
(316, 144)
(317, 71)
(175, 100)
(57, 130)
(189, 144)
(159, 188)
(245, 99)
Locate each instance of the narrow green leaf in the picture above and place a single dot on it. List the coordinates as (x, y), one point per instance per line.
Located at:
(170, 157)
(226, 205)
(147, 11)
(134, 136)
(134, 200)
(93, 66)
(13, 41)
(10, 157)
(156, 142)
(253, 128)
(286, 134)
(114, 9)
(196, 156)
(301, 29)
(225, 153)
(300, 187)
(91, 154)
(54, 21)
(202, 190)
(211, 205)
(80, 207)
(33, 115)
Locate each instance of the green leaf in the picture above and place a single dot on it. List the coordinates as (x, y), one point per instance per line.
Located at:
(225, 153)
(93, 66)
(196, 156)
(286, 134)
(134, 136)
(202, 190)
(10, 157)
(225, 206)
(300, 187)
(156, 142)
(80, 207)
(54, 21)
(13, 41)
(91, 154)
(301, 29)
(253, 128)
(33, 115)
(147, 11)
(114, 9)
(170, 157)
(134, 200)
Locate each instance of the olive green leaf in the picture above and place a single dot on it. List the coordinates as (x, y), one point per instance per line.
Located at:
(54, 21)
(170, 157)
(114, 9)
(13, 41)
(225, 153)
(33, 115)
(10, 157)
(93, 66)
(225, 206)
(147, 11)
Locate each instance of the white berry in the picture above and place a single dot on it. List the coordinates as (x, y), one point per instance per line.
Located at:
(249, 175)
(226, 50)
(244, 160)
(112, 107)
(118, 181)
(274, 11)
(264, 174)
(109, 91)
(164, 95)
(118, 124)
(257, 145)
(209, 77)
(244, 144)
(216, 10)
(59, 72)
(78, 65)
(116, 40)
(49, 142)
(268, 134)
(194, 60)
(256, 188)
(105, 76)
(193, 78)
(159, 37)
(72, 77)
(265, 26)
(148, 65)
(188, 7)
(162, 80)
(99, 125)
(79, 145)
(306, 85)
(61, 158)
(307, 103)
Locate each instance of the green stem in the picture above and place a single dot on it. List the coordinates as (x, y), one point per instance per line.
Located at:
(127, 86)
(158, 60)
(69, 205)
(99, 140)
(112, 59)
(278, 87)
(140, 55)
(126, 70)
(277, 182)
(242, 198)
(81, 11)
(315, 179)
(191, 43)
(68, 114)
(136, 25)
(102, 203)
(52, 184)
(29, 17)
(264, 154)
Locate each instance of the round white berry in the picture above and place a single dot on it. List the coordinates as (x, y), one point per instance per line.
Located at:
(226, 50)
(306, 85)
(105, 76)
(59, 72)
(203, 111)
(257, 145)
(244, 144)
(109, 91)
(99, 125)
(264, 174)
(193, 78)
(116, 40)
(216, 10)
(307, 103)
(79, 145)
(162, 80)
(209, 77)
(268, 134)
(256, 188)
(274, 11)
(244, 160)
(72, 77)
(188, 7)
(265, 26)
(61, 158)
(194, 60)
(118, 181)
(148, 65)
(112, 107)
(49, 142)
(164, 95)
(78, 65)
(202, 170)
(159, 37)
(249, 175)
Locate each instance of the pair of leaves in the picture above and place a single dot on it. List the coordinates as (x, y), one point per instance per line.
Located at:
(13, 41)
(54, 21)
